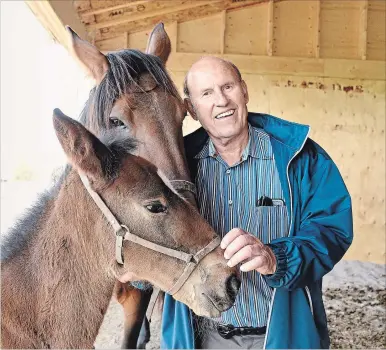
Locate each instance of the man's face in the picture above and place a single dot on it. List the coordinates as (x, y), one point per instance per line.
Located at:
(218, 99)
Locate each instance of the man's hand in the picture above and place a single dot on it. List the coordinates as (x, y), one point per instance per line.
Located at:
(241, 246)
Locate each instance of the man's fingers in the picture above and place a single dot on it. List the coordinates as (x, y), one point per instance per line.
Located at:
(241, 255)
(230, 236)
(238, 243)
(253, 264)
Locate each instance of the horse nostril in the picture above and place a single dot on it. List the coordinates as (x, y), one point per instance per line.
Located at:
(232, 286)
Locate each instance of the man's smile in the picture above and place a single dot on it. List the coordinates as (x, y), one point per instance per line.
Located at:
(225, 114)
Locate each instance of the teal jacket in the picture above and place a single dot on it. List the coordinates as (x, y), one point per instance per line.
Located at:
(321, 231)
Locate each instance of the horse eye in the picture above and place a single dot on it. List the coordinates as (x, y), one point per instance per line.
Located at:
(156, 208)
(115, 122)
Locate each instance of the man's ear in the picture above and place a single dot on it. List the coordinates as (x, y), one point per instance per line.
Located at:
(85, 152)
(245, 91)
(190, 108)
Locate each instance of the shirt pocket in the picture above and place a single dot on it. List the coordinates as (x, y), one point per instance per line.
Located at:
(270, 222)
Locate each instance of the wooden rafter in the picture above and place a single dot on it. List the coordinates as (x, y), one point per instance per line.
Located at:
(139, 16)
(112, 8)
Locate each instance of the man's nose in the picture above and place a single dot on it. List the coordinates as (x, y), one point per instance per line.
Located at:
(221, 99)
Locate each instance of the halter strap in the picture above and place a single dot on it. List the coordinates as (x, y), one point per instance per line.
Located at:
(123, 233)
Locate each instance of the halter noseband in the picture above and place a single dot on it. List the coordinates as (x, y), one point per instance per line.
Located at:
(122, 233)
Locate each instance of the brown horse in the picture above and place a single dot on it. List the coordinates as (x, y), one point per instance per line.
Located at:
(58, 263)
(133, 92)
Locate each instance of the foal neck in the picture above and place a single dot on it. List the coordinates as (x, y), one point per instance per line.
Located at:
(65, 270)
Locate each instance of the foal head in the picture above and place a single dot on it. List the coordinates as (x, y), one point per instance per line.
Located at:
(141, 198)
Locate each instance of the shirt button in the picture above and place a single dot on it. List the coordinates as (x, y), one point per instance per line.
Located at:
(230, 202)
(228, 171)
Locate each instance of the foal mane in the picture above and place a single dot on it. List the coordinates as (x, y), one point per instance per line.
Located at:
(125, 68)
(31, 220)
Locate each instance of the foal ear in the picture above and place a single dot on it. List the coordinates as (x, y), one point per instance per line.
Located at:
(84, 150)
(159, 43)
(93, 61)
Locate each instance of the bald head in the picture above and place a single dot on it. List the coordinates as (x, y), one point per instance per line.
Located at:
(205, 63)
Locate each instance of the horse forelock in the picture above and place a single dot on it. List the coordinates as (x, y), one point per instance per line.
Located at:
(125, 68)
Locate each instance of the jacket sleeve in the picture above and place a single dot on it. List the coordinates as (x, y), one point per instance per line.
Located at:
(326, 227)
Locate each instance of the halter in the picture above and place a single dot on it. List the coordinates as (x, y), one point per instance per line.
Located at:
(122, 233)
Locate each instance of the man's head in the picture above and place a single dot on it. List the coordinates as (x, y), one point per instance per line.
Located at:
(217, 97)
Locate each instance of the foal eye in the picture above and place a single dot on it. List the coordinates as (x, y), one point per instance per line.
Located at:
(115, 122)
(156, 208)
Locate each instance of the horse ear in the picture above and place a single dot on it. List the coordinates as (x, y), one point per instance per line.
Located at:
(93, 61)
(159, 43)
(84, 150)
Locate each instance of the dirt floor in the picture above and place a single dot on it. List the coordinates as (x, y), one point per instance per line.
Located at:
(355, 300)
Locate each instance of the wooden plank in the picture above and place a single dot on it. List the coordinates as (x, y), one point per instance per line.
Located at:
(223, 24)
(376, 30)
(362, 44)
(246, 31)
(194, 36)
(339, 21)
(270, 28)
(111, 8)
(139, 16)
(293, 35)
(326, 68)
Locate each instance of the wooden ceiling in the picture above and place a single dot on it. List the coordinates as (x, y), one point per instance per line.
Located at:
(112, 18)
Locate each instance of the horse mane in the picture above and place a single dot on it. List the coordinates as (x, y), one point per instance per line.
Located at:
(16, 238)
(125, 68)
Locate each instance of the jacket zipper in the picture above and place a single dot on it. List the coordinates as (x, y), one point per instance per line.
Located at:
(289, 232)
(309, 299)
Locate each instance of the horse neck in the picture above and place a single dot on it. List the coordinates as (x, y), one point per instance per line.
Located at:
(69, 261)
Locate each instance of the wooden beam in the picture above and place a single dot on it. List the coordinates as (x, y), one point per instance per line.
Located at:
(144, 14)
(362, 43)
(148, 23)
(317, 28)
(270, 28)
(223, 26)
(54, 15)
(306, 67)
(112, 8)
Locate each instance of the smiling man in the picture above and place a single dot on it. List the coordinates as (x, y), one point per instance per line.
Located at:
(283, 212)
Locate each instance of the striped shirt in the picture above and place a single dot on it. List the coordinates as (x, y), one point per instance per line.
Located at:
(227, 198)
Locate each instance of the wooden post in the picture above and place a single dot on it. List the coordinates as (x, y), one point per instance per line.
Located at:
(222, 31)
(270, 29)
(317, 29)
(362, 43)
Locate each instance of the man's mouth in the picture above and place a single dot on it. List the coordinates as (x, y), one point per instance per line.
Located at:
(225, 114)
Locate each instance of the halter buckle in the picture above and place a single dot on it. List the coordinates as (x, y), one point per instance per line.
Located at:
(119, 236)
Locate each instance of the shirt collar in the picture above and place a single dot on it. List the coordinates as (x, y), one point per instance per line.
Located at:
(259, 146)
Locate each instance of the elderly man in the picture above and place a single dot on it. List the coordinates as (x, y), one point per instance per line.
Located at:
(281, 207)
